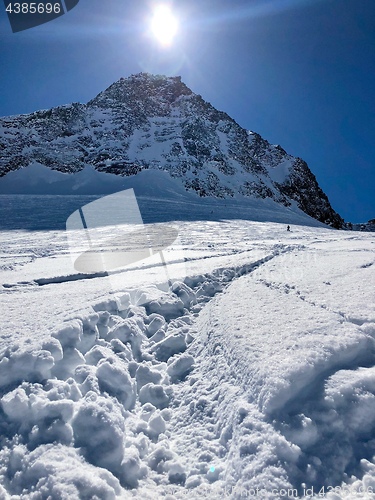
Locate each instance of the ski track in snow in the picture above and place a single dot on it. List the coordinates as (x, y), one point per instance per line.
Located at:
(177, 395)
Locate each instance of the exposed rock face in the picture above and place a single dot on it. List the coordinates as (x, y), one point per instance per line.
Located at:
(155, 122)
(365, 226)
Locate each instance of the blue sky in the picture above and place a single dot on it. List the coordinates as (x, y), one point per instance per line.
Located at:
(299, 72)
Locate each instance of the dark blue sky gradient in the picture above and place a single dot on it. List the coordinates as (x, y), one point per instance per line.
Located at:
(299, 72)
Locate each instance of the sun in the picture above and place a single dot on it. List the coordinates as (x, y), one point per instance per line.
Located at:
(164, 25)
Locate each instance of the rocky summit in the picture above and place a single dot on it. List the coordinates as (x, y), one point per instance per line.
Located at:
(156, 122)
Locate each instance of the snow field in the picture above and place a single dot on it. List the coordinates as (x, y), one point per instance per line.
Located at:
(228, 382)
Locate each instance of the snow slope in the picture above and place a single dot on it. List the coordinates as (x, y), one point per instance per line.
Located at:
(253, 374)
(160, 199)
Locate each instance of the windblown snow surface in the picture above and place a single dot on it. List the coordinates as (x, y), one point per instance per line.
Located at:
(251, 375)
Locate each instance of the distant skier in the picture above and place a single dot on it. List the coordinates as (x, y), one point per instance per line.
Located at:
(288, 228)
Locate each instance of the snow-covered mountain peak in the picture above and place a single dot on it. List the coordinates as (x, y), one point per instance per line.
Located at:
(142, 92)
(156, 122)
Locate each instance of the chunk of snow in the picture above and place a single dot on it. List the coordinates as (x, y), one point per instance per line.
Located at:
(114, 378)
(180, 367)
(170, 346)
(144, 375)
(99, 430)
(167, 305)
(71, 334)
(154, 394)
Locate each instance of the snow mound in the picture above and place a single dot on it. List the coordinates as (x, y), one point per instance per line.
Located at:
(57, 471)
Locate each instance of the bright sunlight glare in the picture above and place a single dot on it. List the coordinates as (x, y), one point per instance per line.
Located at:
(164, 25)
